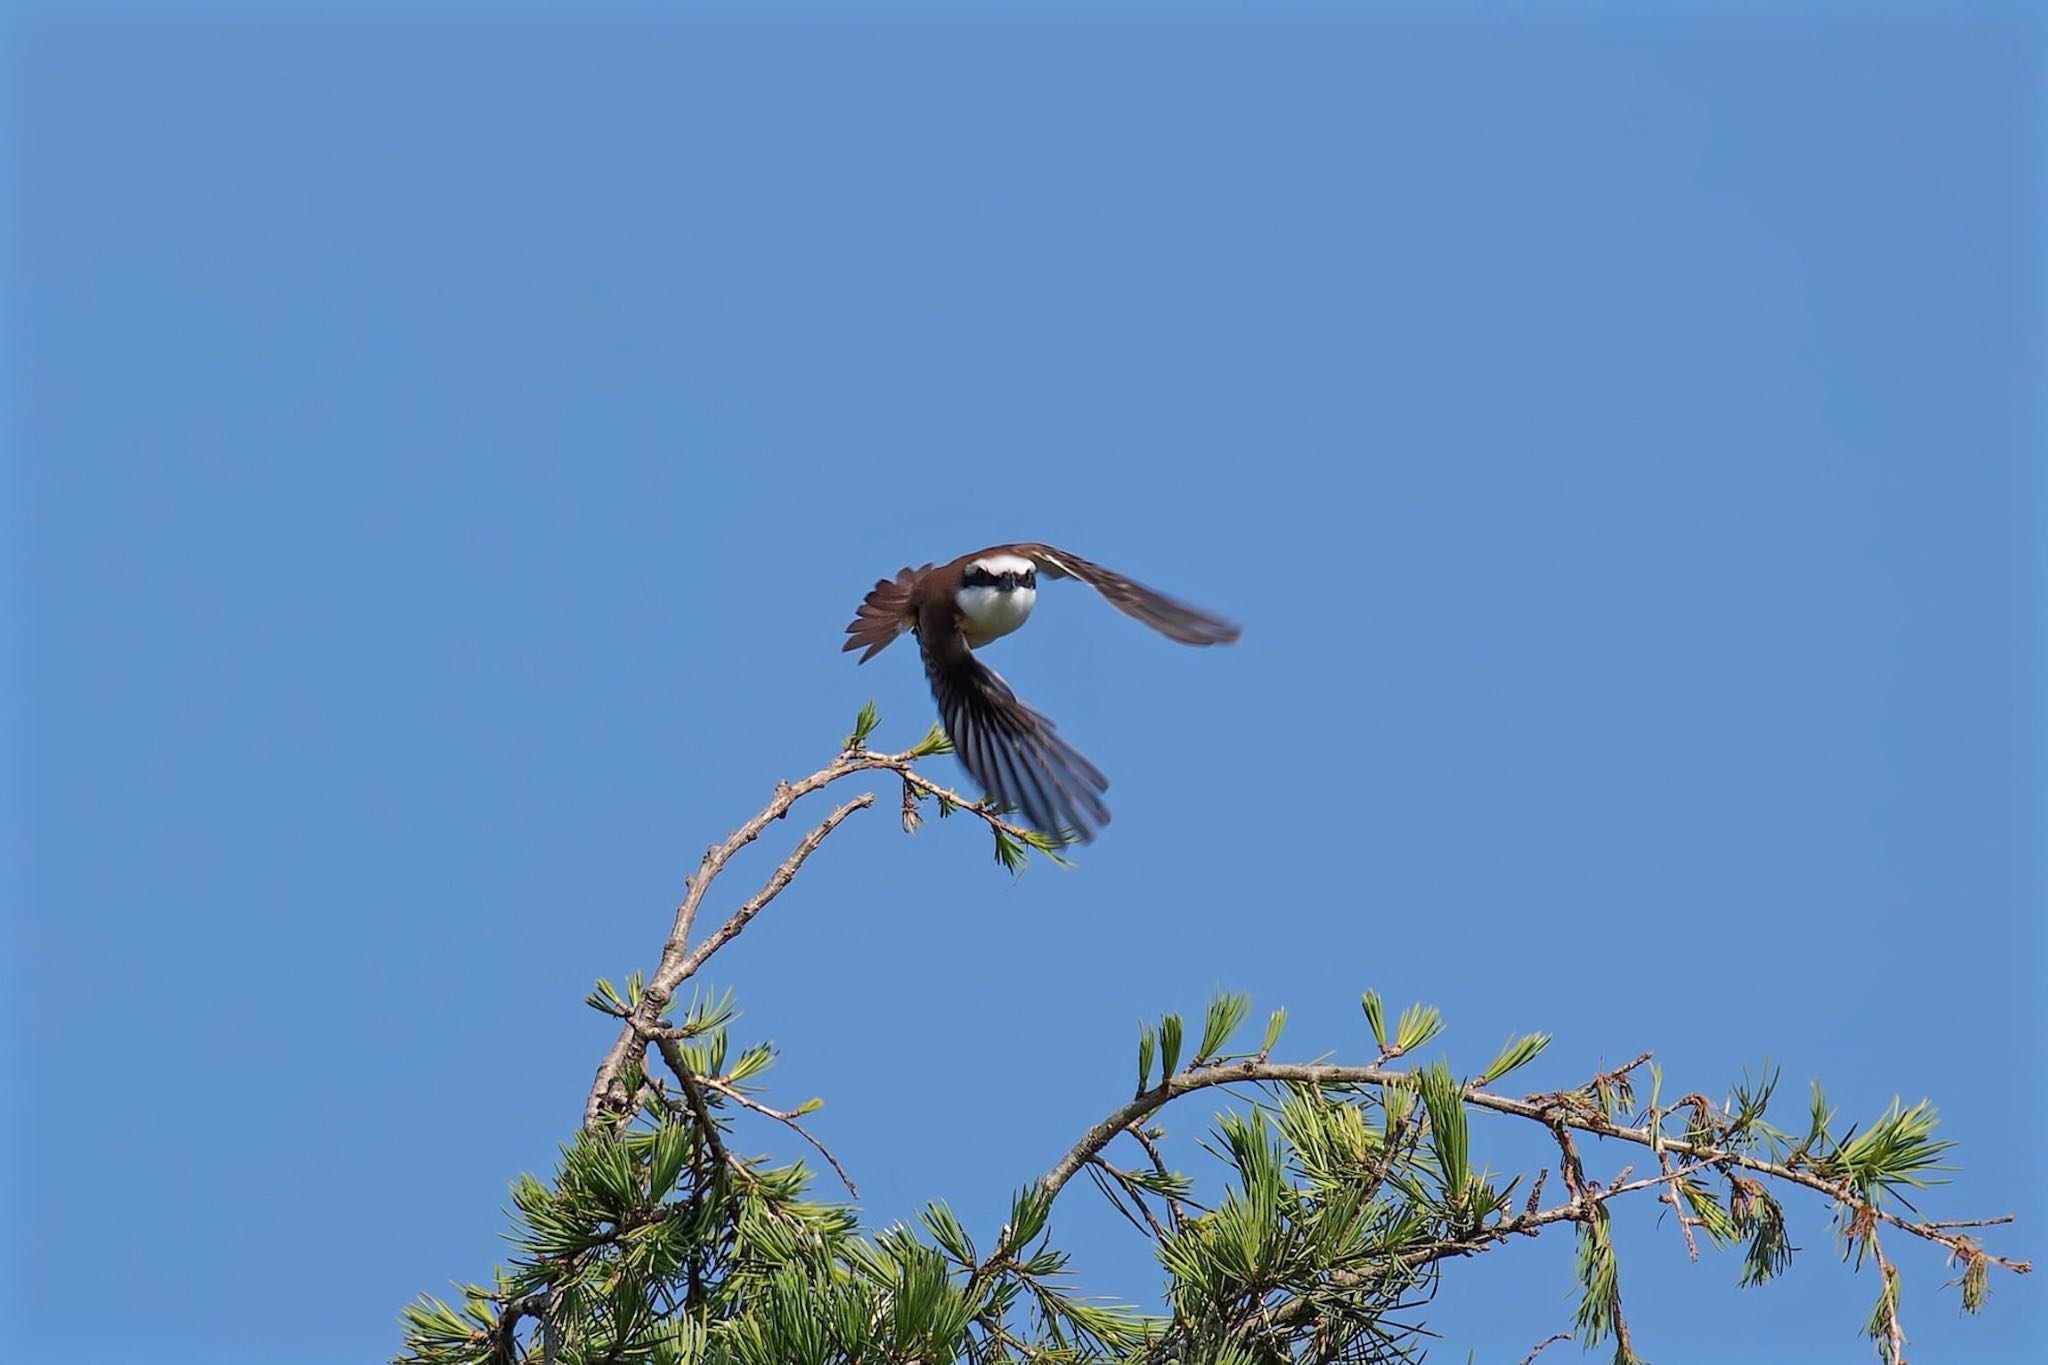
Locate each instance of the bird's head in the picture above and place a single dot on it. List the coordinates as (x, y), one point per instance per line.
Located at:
(996, 594)
(1004, 573)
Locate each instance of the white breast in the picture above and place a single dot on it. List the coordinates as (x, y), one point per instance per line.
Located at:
(991, 612)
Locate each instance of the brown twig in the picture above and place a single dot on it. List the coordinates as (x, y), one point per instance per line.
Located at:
(1526, 1224)
(607, 1104)
(780, 878)
(1672, 1194)
(499, 1339)
(693, 1095)
(1535, 1200)
(1555, 1111)
(1999, 1221)
(1103, 1172)
(1569, 1168)
(1550, 1340)
(980, 809)
(1888, 1301)
(1159, 1167)
(781, 1116)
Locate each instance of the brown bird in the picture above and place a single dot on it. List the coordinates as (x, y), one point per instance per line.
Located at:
(1010, 749)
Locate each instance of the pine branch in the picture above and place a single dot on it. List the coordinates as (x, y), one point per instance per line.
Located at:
(657, 1241)
(609, 1104)
(1551, 1110)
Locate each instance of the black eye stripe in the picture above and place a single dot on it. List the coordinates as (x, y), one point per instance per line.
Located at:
(978, 577)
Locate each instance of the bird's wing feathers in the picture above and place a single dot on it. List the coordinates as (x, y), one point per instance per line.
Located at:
(1174, 620)
(885, 613)
(1010, 749)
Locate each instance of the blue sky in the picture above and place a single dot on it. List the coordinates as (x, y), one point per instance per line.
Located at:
(443, 447)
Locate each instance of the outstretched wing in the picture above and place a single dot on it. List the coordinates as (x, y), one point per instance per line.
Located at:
(1010, 749)
(885, 613)
(1174, 620)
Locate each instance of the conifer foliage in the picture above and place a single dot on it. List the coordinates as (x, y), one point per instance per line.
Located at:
(1330, 1201)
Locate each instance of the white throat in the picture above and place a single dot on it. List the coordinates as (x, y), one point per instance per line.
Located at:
(990, 612)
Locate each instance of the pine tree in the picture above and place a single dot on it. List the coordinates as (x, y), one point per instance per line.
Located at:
(1348, 1189)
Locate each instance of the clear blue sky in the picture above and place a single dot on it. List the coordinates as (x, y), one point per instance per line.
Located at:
(442, 449)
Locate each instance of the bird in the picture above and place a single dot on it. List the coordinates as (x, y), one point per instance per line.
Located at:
(1011, 750)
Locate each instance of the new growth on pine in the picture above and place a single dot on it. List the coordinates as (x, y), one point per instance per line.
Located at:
(1330, 1205)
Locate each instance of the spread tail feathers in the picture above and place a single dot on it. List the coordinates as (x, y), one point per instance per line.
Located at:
(885, 614)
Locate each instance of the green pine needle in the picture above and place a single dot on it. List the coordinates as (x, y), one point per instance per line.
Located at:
(1276, 1021)
(863, 725)
(1169, 1046)
(1226, 1013)
(1009, 852)
(1419, 1023)
(1444, 1098)
(1514, 1054)
(1375, 1018)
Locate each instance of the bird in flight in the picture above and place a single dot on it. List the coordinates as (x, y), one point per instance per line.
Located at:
(1010, 749)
